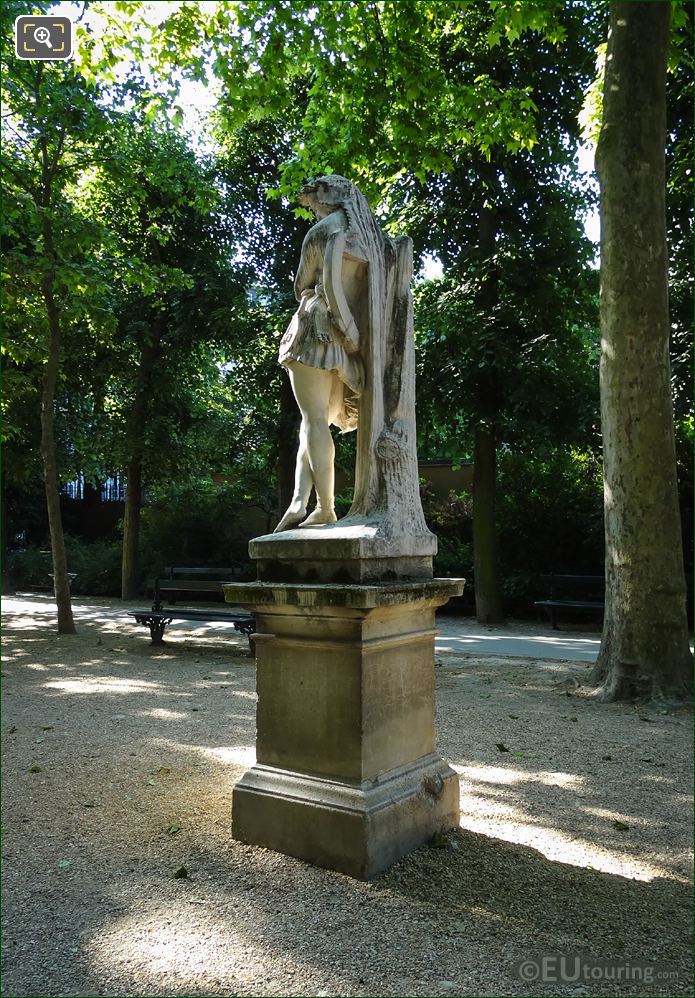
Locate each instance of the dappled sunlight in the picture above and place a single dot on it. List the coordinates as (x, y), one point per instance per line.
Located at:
(490, 806)
(602, 812)
(165, 949)
(112, 684)
(235, 755)
(160, 713)
(497, 774)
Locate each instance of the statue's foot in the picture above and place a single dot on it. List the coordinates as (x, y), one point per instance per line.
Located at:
(319, 517)
(294, 514)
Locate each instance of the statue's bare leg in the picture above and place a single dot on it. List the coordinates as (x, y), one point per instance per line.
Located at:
(315, 392)
(303, 484)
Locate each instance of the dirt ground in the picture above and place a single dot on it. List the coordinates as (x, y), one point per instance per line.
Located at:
(119, 762)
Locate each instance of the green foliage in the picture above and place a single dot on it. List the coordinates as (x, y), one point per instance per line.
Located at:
(96, 566)
(30, 568)
(550, 519)
(197, 523)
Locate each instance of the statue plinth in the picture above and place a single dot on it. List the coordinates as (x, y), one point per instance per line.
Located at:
(346, 776)
(359, 552)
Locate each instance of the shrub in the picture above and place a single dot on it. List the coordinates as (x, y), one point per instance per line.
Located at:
(96, 566)
(198, 523)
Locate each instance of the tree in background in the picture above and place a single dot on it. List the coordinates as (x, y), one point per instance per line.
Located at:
(395, 95)
(53, 125)
(644, 649)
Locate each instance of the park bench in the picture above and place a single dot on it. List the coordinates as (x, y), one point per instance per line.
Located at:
(193, 584)
(572, 592)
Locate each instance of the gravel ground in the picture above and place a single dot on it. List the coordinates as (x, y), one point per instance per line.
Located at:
(119, 760)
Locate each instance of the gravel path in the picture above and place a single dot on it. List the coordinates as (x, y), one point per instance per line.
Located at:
(119, 761)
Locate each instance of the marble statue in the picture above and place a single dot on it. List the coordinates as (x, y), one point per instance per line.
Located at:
(350, 356)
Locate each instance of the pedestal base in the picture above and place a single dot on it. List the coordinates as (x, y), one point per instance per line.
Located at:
(356, 829)
(347, 776)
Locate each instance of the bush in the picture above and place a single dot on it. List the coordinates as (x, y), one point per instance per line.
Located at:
(197, 523)
(549, 519)
(30, 568)
(97, 567)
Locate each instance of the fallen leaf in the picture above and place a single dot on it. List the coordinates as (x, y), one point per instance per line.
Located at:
(484, 696)
(514, 717)
(181, 873)
(620, 826)
(35, 769)
(152, 782)
(501, 747)
(173, 829)
(163, 769)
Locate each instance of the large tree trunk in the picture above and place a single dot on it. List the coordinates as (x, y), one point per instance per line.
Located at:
(135, 434)
(66, 624)
(644, 650)
(488, 601)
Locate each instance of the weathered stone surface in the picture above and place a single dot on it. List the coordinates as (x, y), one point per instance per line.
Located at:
(343, 552)
(346, 773)
(350, 354)
(356, 829)
(259, 595)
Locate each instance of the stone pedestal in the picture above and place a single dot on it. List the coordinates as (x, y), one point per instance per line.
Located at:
(346, 776)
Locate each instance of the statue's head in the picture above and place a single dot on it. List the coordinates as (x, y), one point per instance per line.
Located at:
(331, 191)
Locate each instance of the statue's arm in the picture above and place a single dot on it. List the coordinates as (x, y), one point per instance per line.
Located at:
(309, 267)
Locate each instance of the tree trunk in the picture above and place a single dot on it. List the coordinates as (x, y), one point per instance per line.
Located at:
(488, 606)
(130, 564)
(66, 624)
(135, 434)
(644, 649)
(488, 601)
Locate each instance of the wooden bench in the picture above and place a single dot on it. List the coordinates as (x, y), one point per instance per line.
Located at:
(572, 592)
(181, 582)
(195, 583)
